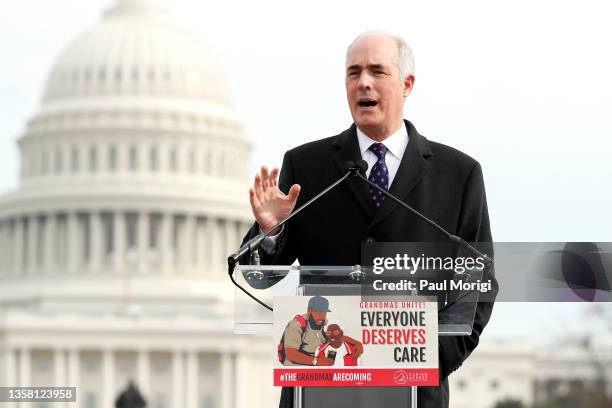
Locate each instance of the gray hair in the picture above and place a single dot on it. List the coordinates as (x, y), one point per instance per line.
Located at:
(405, 61)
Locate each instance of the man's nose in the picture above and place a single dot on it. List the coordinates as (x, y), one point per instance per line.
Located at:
(365, 81)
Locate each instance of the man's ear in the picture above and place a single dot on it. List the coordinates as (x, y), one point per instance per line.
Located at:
(408, 85)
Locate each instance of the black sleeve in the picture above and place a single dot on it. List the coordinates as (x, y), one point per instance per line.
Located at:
(473, 227)
(283, 253)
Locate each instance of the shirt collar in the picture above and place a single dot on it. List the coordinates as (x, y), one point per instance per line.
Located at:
(396, 143)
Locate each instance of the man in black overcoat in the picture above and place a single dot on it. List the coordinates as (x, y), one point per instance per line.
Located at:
(443, 183)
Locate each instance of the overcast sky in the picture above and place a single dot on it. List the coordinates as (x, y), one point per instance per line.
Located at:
(525, 87)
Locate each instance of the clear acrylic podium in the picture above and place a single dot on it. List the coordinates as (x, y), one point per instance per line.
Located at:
(455, 318)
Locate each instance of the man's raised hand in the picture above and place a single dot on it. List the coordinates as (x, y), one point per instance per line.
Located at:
(269, 204)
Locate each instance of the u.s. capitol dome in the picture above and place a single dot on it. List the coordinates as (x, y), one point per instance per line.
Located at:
(132, 190)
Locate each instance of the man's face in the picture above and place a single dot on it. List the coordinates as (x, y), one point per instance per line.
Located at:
(334, 334)
(374, 89)
(318, 317)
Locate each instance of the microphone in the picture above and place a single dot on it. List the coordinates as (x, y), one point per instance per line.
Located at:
(359, 166)
(252, 245)
(362, 166)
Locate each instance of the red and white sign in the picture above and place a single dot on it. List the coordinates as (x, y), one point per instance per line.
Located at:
(359, 343)
(367, 377)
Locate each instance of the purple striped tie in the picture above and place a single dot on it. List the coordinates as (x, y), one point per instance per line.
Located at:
(379, 174)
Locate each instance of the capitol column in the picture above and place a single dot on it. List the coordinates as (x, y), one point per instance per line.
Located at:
(192, 393)
(50, 243)
(227, 377)
(32, 243)
(74, 371)
(187, 248)
(73, 247)
(165, 242)
(96, 248)
(144, 374)
(207, 244)
(242, 379)
(143, 241)
(18, 247)
(227, 165)
(4, 248)
(200, 247)
(216, 241)
(25, 367)
(178, 389)
(214, 163)
(119, 240)
(179, 244)
(108, 378)
(59, 371)
(10, 367)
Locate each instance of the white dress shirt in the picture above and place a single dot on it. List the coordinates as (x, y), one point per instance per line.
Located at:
(396, 146)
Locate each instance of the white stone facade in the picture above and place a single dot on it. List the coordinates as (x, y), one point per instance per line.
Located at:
(112, 249)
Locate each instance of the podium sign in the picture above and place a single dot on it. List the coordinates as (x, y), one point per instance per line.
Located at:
(356, 341)
(454, 317)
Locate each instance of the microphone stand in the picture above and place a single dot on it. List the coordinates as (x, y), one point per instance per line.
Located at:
(458, 240)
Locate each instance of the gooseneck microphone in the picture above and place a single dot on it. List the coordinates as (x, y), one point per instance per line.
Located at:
(251, 247)
(361, 166)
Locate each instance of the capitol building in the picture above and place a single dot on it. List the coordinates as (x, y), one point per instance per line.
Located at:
(132, 191)
(133, 188)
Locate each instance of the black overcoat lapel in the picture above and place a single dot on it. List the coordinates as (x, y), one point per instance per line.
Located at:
(348, 150)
